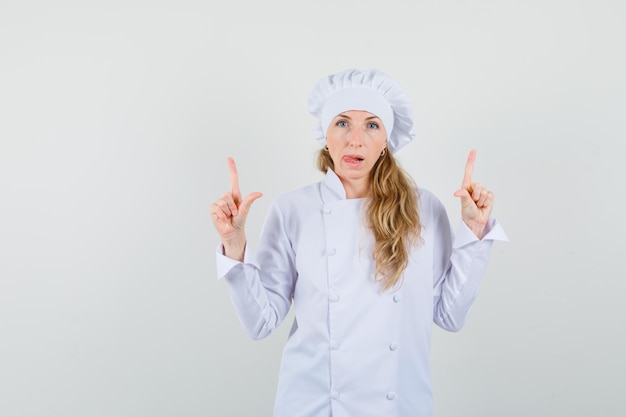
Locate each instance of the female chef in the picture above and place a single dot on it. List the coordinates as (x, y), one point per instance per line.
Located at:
(366, 258)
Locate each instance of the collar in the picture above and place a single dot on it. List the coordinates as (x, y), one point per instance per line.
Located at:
(332, 189)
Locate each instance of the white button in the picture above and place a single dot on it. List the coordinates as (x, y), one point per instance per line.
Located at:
(333, 298)
(396, 298)
(393, 346)
(326, 209)
(334, 345)
(332, 251)
(391, 395)
(334, 395)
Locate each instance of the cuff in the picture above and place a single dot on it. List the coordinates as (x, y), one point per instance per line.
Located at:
(493, 231)
(224, 264)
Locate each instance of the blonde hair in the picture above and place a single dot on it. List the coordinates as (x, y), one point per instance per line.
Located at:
(392, 215)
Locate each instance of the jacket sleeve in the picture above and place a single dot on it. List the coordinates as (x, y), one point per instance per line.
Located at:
(458, 268)
(261, 287)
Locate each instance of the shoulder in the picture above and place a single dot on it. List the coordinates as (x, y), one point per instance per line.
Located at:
(433, 216)
(298, 199)
(295, 207)
(428, 202)
(308, 191)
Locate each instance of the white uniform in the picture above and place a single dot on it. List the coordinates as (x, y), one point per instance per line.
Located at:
(354, 351)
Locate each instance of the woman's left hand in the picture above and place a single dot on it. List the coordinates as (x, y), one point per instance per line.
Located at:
(476, 200)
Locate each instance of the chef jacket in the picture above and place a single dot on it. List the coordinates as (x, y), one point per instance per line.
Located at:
(354, 350)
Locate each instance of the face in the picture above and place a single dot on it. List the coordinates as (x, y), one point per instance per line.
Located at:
(355, 140)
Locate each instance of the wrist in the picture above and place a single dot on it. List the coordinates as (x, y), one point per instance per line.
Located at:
(234, 250)
(476, 228)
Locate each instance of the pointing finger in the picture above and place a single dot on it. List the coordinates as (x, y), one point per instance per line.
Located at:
(234, 180)
(469, 169)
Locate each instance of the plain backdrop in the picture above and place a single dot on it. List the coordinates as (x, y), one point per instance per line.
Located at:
(116, 119)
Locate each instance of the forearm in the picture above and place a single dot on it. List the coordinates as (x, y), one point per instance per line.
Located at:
(260, 312)
(460, 287)
(261, 297)
(459, 281)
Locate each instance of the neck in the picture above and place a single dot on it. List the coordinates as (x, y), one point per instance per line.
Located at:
(356, 189)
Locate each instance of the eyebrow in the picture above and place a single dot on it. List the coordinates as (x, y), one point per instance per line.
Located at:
(348, 117)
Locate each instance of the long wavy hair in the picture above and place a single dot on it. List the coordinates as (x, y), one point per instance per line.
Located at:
(392, 215)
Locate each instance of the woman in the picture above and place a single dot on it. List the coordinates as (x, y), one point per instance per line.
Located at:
(366, 258)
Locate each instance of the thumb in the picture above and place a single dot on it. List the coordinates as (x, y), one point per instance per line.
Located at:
(464, 195)
(247, 202)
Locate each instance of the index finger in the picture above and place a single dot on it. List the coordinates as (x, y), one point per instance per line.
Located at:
(469, 169)
(234, 179)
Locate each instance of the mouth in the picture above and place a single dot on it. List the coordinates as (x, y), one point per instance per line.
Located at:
(353, 160)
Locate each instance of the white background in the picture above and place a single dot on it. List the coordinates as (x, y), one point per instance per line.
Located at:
(116, 118)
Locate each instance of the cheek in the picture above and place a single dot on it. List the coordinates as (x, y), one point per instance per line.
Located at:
(333, 139)
(335, 145)
(334, 156)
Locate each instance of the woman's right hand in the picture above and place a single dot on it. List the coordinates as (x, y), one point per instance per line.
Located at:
(229, 216)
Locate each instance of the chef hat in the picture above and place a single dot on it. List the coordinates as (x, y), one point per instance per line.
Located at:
(369, 90)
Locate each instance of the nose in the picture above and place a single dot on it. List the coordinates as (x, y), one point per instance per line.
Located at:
(356, 137)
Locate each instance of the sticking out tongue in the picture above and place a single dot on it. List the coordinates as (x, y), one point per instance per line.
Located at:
(352, 159)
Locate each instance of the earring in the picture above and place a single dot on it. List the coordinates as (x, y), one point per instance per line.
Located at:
(384, 152)
(326, 148)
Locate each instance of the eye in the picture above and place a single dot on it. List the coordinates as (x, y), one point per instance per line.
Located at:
(372, 125)
(341, 123)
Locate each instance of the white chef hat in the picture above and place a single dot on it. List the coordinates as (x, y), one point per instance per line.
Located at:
(369, 90)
